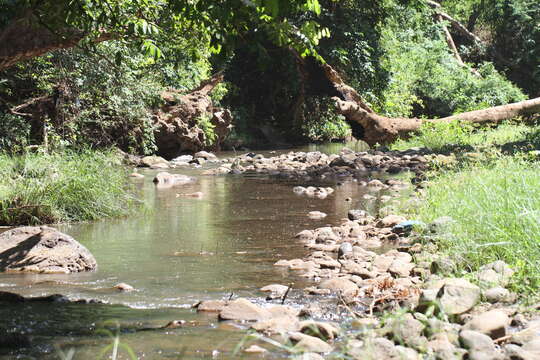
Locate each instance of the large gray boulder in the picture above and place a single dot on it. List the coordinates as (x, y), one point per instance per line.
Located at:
(42, 249)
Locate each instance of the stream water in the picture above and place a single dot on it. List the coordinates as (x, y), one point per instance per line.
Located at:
(180, 251)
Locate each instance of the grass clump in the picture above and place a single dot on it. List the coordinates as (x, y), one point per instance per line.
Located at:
(444, 137)
(61, 187)
(496, 209)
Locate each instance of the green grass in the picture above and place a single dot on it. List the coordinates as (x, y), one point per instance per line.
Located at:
(445, 137)
(496, 208)
(62, 187)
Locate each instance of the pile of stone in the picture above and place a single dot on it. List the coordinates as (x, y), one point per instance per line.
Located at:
(433, 316)
(321, 166)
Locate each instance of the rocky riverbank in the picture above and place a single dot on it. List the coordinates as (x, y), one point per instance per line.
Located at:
(402, 303)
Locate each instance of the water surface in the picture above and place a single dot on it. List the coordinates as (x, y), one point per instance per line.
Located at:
(179, 252)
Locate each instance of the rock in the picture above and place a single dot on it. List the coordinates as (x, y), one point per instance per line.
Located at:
(243, 310)
(375, 184)
(308, 343)
(515, 352)
(390, 221)
(175, 324)
(136, 175)
(313, 156)
(42, 249)
(345, 249)
(495, 273)
(300, 190)
(406, 353)
(150, 161)
(275, 290)
(375, 349)
(277, 325)
(530, 333)
(11, 297)
(532, 348)
(382, 262)
(164, 178)
(480, 346)
(497, 294)
(356, 214)
(182, 159)
(339, 285)
(401, 268)
(323, 330)
(457, 295)
(308, 356)
(441, 346)
(492, 323)
(316, 215)
(406, 227)
(443, 265)
(405, 329)
(159, 166)
(123, 287)
(211, 305)
(8, 297)
(305, 235)
(255, 349)
(205, 155)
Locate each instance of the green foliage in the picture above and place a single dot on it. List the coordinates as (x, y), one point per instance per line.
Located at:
(516, 40)
(205, 124)
(496, 208)
(322, 123)
(149, 24)
(511, 35)
(68, 186)
(14, 132)
(426, 79)
(99, 103)
(441, 137)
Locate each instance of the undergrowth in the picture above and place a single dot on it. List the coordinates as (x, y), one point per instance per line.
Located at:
(444, 137)
(495, 205)
(42, 188)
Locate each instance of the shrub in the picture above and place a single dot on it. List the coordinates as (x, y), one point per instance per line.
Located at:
(426, 79)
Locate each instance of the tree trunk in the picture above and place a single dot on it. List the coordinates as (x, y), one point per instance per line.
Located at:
(25, 38)
(379, 129)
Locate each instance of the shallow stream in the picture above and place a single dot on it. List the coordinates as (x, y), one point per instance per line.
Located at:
(180, 251)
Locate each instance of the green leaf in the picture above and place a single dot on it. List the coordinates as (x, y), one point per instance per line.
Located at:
(273, 7)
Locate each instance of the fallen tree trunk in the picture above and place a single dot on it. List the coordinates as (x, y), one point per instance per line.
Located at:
(379, 129)
(383, 130)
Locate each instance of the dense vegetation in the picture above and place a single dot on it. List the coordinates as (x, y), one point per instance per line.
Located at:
(67, 186)
(486, 181)
(393, 52)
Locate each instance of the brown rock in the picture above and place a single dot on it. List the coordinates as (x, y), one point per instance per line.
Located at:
(390, 221)
(211, 305)
(42, 249)
(492, 323)
(339, 285)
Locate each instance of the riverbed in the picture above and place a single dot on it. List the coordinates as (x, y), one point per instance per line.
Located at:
(178, 251)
